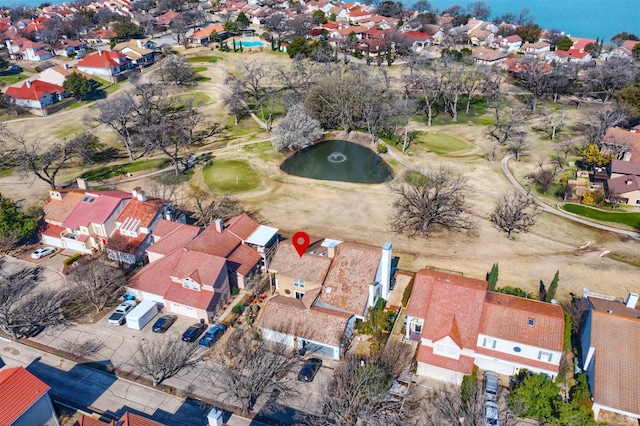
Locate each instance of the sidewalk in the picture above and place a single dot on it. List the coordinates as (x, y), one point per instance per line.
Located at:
(95, 391)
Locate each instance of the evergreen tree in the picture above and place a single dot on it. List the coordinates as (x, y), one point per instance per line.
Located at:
(493, 277)
(77, 86)
(552, 287)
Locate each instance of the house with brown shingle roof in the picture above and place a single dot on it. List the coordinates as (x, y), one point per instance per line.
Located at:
(460, 324)
(336, 280)
(624, 182)
(24, 399)
(610, 343)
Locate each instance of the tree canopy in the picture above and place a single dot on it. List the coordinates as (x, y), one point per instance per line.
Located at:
(77, 86)
(296, 130)
(15, 223)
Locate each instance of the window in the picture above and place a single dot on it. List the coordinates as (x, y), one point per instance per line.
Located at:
(418, 328)
(297, 282)
(299, 295)
(488, 342)
(186, 284)
(517, 349)
(531, 322)
(545, 356)
(446, 347)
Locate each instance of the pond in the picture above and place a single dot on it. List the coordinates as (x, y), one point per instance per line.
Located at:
(338, 160)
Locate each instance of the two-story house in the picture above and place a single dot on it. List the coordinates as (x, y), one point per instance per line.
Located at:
(191, 270)
(610, 342)
(35, 94)
(22, 48)
(140, 52)
(624, 181)
(323, 292)
(459, 324)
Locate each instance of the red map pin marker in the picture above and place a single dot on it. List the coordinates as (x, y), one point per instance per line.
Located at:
(300, 242)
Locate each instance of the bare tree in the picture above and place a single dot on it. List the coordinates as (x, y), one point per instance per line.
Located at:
(533, 75)
(358, 394)
(119, 114)
(516, 145)
(506, 126)
(84, 348)
(608, 116)
(248, 369)
(554, 120)
(176, 71)
(515, 213)
(162, 357)
(97, 283)
(545, 178)
(430, 201)
(23, 303)
(428, 84)
(609, 76)
(277, 22)
(46, 163)
(297, 130)
(209, 207)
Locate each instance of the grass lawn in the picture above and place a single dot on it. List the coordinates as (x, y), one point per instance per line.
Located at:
(198, 69)
(198, 96)
(264, 150)
(244, 127)
(13, 78)
(231, 176)
(629, 219)
(108, 172)
(195, 59)
(5, 171)
(68, 131)
(441, 143)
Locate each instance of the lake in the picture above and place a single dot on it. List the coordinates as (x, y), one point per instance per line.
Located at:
(578, 18)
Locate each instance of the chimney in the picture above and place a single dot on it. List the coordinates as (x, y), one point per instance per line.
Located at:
(142, 196)
(139, 43)
(214, 418)
(100, 52)
(67, 67)
(134, 192)
(628, 181)
(82, 183)
(218, 225)
(385, 270)
(626, 156)
(632, 300)
(29, 83)
(168, 212)
(331, 250)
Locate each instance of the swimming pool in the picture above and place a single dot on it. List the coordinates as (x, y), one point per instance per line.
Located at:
(252, 42)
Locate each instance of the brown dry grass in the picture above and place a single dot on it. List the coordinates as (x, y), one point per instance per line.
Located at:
(360, 212)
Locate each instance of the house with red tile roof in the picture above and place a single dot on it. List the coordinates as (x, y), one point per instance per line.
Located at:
(191, 269)
(459, 324)
(335, 279)
(101, 35)
(24, 399)
(85, 220)
(611, 355)
(69, 48)
(104, 63)
(205, 35)
(508, 44)
(563, 56)
(625, 49)
(127, 419)
(167, 18)
(22, 48)
(35, 94)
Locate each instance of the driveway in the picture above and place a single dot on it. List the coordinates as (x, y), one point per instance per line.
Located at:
(51, 275)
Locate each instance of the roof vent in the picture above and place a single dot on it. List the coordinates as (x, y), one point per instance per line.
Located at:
(323, 254)
(609, 311)
(313, 252)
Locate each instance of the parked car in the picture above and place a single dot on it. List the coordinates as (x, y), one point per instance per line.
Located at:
(193, 332)
(42, 252)
(118, 316)
(309, 369)
(491, 414)
(212, 335)
(490, 386)
(163, 323)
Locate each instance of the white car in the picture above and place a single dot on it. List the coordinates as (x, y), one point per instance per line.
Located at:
(118, 316)
(42, 252)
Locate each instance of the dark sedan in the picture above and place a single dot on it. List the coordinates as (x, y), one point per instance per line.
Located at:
(309, 369)
(193, 332)
(163, 323)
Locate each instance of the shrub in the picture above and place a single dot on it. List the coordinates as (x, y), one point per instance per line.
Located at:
(407, 293)
(381, 148)
(238, 309)
(594, 198)
(255, 309)
(71, 259)
(256, 336)
(234, 291)
(249, 320)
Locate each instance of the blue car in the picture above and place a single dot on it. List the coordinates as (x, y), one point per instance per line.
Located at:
(212, 335)
(193, 332)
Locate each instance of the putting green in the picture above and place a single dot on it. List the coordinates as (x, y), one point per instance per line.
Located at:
(441, 143)
(231, 176)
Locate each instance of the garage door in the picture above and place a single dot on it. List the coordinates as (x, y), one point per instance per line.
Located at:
(319, 348)
(183, 310)
(48, 240)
